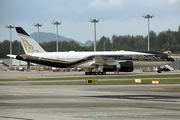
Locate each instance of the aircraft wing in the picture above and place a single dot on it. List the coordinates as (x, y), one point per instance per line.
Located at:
(98, 60)
(101, 60)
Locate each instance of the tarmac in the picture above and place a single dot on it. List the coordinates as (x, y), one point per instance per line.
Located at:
(86, 102)
(50, 74)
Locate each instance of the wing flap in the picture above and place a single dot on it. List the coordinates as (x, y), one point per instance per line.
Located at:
(101, 60)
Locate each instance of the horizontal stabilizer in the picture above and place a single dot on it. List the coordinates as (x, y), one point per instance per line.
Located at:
(12, 56)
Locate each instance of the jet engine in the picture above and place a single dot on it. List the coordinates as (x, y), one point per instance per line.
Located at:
(121, 67)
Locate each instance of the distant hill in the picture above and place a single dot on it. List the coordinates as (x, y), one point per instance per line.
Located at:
(47, 37)
(87, 43)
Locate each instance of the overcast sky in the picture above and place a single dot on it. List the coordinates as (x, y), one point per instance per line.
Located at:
(119, 17)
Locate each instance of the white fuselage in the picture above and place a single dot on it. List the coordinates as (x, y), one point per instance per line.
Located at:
(73, 56)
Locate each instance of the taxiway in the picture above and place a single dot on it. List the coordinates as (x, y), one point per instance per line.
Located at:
(89, 102)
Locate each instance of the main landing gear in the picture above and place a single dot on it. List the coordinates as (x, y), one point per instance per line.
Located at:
(95, 73)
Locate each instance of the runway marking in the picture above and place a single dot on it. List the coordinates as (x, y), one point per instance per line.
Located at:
(157, 88)
(72, 93)
(29, 91)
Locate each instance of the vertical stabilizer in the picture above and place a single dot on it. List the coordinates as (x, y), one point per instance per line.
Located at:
(29, 44)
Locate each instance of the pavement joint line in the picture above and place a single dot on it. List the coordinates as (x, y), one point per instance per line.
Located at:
(27, 91)
(42, 115)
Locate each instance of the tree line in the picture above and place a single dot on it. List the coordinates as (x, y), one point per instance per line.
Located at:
(158, 42)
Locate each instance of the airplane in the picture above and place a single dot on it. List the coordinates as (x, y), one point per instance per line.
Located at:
(98, 62)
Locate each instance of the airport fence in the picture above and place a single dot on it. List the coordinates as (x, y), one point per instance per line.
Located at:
(176, 64)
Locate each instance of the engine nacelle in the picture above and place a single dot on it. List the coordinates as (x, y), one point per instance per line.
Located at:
(121, 67)
(125, 66)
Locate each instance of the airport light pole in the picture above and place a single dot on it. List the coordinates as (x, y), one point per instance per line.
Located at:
(148, 16)
(10, 27)
(104, 45)
(37, 25)
(56, 23)
(94, 21)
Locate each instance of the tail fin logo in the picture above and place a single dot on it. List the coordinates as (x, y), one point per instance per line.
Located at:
(28, 47)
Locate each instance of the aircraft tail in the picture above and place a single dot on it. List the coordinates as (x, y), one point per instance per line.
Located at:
(29, 44)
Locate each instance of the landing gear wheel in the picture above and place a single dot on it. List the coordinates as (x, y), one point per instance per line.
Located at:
(94, 73)
(103, 73)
